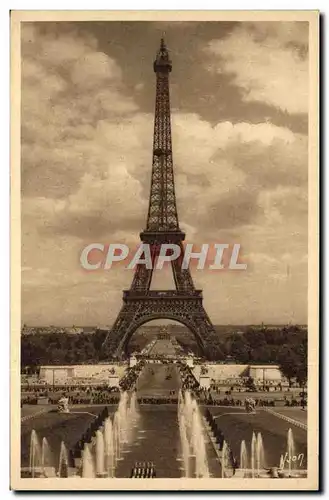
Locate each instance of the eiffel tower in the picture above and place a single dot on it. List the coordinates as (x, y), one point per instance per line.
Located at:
(140, 304)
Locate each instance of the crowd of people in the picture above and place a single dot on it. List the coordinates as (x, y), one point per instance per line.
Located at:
(99, 398)
(76, 394)
(107, 397)
(129, 380)
(153, 400)
(258, 402)
(189, 381)
(238, 402)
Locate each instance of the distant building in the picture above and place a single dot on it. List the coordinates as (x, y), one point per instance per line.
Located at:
(74, 330)
(42, 330)
(28, 330)
(91, 329)
(71, 330)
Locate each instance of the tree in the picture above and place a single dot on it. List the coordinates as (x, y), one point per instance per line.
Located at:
(293, 363)
(255, 337)
(261, 354)
(250, 384)
(240, 348)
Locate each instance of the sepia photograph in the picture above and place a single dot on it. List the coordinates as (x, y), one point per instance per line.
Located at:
(164, 309)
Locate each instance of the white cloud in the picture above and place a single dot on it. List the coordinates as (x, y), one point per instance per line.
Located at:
(94, 69)
(267, 61)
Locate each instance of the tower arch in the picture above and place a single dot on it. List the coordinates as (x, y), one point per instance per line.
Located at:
(147, 318)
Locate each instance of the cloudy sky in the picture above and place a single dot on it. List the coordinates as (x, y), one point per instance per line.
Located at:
(239, 95)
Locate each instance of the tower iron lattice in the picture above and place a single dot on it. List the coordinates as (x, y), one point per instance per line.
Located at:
(140, 304)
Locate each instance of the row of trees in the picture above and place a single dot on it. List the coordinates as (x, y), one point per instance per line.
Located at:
(286, 346)
(61, 348)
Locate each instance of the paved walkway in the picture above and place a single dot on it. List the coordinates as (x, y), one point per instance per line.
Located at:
(288, 418)
(158, 380)
(295, 413)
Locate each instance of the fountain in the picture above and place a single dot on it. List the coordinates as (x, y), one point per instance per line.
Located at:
(123, 417)
(185, 445)
(47, 459)
(198, 442)
(117, 437)
(226, 462)
(253, 454)
(133, 409)
(100, 454)
(41, 463)
(124, 421)
(100, 459)
(45, 453)
(243, 457)
(88, 469)
(291, 463)
(224, 454)
(260, 455)
(291, 451)
(193, 448)
(63, 466)
(108, 447)
(281, 465)
(35, 462)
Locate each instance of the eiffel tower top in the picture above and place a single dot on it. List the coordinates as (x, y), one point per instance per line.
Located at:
(162, 62)
(162, 220)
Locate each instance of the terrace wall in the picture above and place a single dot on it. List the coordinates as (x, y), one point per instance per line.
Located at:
(96, 373)
(221, 372)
